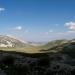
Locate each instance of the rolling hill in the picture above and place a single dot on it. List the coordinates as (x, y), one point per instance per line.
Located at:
(8, 43)
(58, 45)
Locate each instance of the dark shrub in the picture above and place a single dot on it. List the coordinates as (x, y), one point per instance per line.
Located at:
(44, 61)
(70, 50)
(8, 60)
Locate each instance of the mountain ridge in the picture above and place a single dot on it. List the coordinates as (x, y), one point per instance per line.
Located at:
(8, 41)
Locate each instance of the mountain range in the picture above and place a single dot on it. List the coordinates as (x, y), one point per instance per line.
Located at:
(14, 44)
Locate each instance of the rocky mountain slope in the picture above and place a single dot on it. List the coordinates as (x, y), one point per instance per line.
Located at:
(6, 41)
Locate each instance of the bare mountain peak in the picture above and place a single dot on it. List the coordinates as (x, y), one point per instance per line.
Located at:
(11, 41)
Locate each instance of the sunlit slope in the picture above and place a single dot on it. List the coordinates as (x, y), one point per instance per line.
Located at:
(24, 49)
(10, 42)
(53, 46)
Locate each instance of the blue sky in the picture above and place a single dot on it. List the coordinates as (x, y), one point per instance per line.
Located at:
(38, 20)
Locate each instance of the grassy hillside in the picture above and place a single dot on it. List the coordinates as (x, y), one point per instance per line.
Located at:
(53, 43)
(53, 46)
(31, 49)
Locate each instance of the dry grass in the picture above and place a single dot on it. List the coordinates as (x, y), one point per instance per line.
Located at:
(25, 50)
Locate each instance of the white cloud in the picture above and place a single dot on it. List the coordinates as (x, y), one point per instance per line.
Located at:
(18, 28)
(2, 9)
(70, 25)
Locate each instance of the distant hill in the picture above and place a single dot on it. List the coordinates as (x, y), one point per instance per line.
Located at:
(37, 43)
(10, 42)
(54, 43)
(59, 45)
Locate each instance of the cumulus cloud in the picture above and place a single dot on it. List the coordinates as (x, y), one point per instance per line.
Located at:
(70, 25)
(18, 28)
(2, 9)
